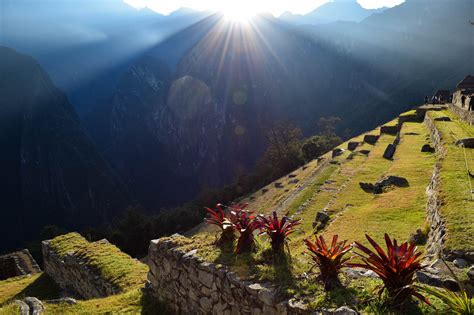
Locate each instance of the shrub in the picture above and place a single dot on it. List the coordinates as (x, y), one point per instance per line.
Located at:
(329, 259)
(396, 268)
(244, 223)
(277, 230)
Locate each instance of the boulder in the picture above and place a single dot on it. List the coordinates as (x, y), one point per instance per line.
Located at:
(388, 181)
(392, 130)
(351, 146)
(389, 152)
(443, 118)
(427, 148)
(371, 139)
(467, 143)
(437, 281)
(322, 217)
(337, 152)
(367, 187)
(418, 238)
(470, 274)
(364, 152)
(460, 263)
(293, 181)
(278, 185)
(35, 305)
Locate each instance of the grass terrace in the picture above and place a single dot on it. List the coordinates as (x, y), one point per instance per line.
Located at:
(113, 265)
(458, 205)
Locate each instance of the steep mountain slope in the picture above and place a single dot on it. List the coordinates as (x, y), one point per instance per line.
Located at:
(51, 171)
(266, 71)
(86, 45)
(333, 11)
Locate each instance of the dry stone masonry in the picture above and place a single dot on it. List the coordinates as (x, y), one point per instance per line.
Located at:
(17, 264)
(189, 285)
(74, 275)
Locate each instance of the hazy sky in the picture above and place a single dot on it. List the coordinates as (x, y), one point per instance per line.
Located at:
(274, 6)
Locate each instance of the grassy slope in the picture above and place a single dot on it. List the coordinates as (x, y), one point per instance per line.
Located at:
(114, 265)
(457, 207)
(117, 267)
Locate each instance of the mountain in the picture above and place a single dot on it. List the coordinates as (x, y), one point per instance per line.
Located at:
(52, 173)
(86, 46)
(224, 86)
(333, 11)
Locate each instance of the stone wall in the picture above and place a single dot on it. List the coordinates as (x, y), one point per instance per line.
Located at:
(73, 274)
(17, 264)
(464, 115)
(189, 285)
(437, 228)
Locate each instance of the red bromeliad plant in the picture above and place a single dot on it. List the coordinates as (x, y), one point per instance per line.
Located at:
(277, 230)
(244, 222)
(396, 268)
(329, 259)
(218, 217)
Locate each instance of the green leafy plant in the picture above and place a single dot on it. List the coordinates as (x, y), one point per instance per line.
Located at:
(396, 268)
(278, 230)
(329, 259)
(457, 302)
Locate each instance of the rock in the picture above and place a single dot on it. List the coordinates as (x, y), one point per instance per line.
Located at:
(367, 187)
(292, 176)
(418, 238)
(278, 185)
(351, 146)
(24, 308)
(388, 181)
(392, 130)
(297, 305)
(35, 305)
(427, 148)
(337, 152)
(334, 162)
(467, 143)
(267, 296)
(365, 152)
(437, 281)
(460, 263)
(205, 304)
(443, 118)
(469, 256)
(206, 278)
(389, 152)
(322, 217)
(371, 139)
(470, 274)
(344, 310)
(293, 181)
(66, 300)
(264, 190)
(412, 134)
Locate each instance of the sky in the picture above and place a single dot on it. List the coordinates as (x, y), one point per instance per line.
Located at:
(276, 7)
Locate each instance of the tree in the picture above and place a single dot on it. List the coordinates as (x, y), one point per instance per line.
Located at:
(283, 153)
(327, 125)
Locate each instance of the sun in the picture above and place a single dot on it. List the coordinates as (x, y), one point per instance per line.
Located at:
(238, 12)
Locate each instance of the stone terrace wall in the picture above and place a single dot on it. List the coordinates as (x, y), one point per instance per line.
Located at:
(464, 115)
(437, 227)
(190, 286)
(17, 264)
(73, 274)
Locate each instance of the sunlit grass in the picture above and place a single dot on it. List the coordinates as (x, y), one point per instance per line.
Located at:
(457, 207)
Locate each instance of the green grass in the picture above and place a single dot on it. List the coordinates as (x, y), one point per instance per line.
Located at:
(398, 212)
(457, 207)
(113, 265)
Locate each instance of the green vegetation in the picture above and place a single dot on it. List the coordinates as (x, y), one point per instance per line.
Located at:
(455, 189)
(113, 265)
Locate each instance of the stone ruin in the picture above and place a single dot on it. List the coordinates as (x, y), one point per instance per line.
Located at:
(17, 264)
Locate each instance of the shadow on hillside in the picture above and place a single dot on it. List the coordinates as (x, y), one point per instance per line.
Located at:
(44, 288)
